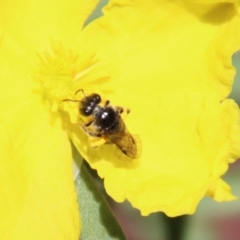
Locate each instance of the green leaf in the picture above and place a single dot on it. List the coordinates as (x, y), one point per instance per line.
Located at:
(98, 221)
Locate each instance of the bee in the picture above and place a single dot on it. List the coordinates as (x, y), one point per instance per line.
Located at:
(106, 122)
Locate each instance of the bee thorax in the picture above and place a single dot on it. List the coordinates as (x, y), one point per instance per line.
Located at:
(107, 119)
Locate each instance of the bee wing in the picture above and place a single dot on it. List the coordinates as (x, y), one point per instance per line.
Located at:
(124, 141)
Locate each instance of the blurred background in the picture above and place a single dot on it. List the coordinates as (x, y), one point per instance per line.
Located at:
(212, 220)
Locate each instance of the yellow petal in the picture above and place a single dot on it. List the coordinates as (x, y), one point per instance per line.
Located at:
(187, 44)
(170, 63)
(38, 199)
(183, 155)
(213, 1)
(33, 24)
(220, 191)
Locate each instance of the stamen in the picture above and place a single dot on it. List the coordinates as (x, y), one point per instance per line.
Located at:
(81, 74)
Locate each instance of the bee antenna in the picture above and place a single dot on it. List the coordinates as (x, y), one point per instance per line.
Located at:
(80, 90)
(71, 100)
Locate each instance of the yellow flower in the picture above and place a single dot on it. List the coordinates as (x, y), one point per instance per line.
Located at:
(170, 63)
(38, 198)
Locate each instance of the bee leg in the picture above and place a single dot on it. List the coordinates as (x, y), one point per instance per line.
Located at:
(91, 133)
(88, 124)
(85, 124)
(95, 142)
(106, 103)
(94, 134)
(120, 109)
(123, 112)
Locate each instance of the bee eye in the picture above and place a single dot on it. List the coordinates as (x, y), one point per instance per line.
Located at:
(97, 99)
(86, 111)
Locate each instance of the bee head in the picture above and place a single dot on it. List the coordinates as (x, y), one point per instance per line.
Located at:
(88, 104)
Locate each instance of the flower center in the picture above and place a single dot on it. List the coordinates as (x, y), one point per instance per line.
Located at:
(62, 73)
